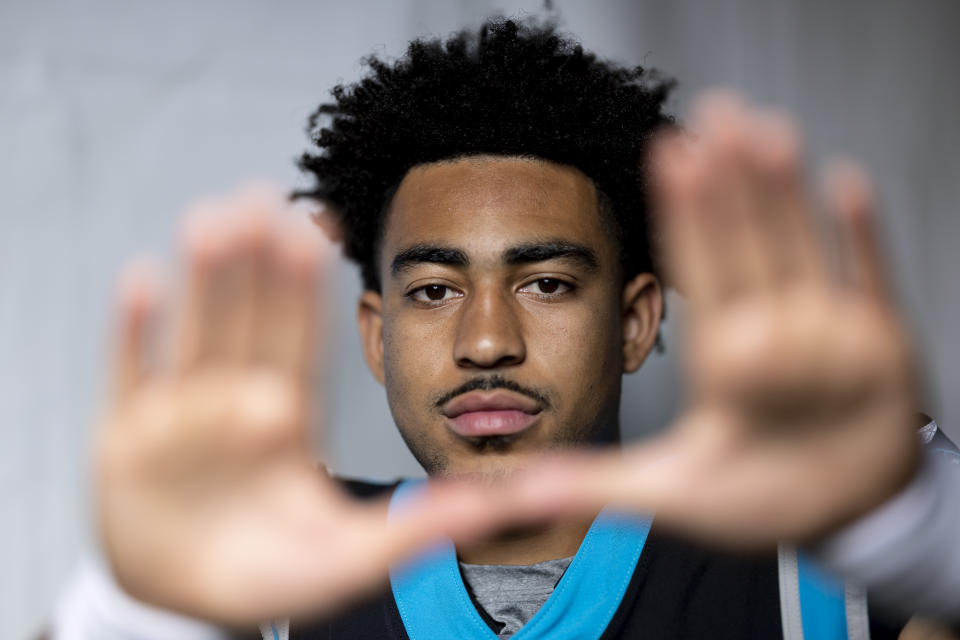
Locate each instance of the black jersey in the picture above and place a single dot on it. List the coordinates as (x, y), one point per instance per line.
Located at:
(673, 589)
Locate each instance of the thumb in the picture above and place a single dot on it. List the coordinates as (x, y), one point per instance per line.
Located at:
(137, 304)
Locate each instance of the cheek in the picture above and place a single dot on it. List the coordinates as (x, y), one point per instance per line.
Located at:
(413, 353)
(397, 364)
(581, 336)
(581, 352)
(416, 345)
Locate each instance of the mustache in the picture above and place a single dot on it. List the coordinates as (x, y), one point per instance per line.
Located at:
(489, 384)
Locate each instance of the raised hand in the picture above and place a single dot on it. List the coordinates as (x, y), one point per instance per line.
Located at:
(209, 502)
(801, 377)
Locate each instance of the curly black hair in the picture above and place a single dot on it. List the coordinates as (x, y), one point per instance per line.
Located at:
(514, 88)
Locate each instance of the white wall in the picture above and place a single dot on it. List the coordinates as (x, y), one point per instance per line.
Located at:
(115, 114)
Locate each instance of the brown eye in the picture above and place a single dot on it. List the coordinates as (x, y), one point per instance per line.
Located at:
(548, 285)
(435, 292)
(548, 288)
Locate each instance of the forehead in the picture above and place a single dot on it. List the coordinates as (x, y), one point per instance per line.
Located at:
(489, 202)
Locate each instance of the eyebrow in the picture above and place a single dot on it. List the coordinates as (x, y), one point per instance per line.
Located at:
(425, 253)
(580, 254)
(526, 253)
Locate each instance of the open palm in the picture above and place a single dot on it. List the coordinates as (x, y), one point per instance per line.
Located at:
(801, 379)
(209, 501)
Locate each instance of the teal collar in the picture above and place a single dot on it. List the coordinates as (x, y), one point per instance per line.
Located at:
(434, 603)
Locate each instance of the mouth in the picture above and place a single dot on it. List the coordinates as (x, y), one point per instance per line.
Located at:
(481, 414)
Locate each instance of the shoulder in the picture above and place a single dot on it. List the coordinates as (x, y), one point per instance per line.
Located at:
(366, 489)
(937, 443)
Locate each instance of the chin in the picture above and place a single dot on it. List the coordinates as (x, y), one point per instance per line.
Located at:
(482, 474)
(489, 463)
(488, 458)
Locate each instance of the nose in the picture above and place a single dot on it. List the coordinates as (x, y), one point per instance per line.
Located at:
(489, 333)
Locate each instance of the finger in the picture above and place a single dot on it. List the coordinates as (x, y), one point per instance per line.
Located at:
(326, 217)
(461, 511)
(299, 262)
(640, 480)
(682, 477)
(728, 213)
(850, 198)
(204, 247)
(240, 293)
(676, 179)
(138, 303)
(789, 232)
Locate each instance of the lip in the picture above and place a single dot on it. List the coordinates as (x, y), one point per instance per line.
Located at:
(491, 413)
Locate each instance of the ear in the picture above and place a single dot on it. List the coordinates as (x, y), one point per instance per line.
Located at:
(642, 305)
(370, 323)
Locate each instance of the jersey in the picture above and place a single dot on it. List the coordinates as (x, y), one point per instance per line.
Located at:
(645, 584)
(669, 589)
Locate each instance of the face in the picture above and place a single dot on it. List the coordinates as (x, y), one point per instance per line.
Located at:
(503, 326)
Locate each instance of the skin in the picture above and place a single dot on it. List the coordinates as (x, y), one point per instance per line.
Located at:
(209, 501)
(493, 320)
(801, 380)
(801, 376)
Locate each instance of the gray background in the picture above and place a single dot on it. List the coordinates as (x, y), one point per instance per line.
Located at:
(115, 114)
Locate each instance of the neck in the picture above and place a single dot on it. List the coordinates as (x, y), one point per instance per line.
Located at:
(555, 540)
(529, 545)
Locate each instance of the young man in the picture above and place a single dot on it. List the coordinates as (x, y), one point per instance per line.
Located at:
(494, 190)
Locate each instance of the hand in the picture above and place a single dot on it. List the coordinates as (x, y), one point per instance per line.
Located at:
(208, 500)
(801, 376)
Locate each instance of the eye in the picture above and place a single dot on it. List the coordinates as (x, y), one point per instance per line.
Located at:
(434, 293)
(548, 287)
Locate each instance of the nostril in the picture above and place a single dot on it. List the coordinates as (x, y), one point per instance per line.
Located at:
(489, 334)
(492, 361)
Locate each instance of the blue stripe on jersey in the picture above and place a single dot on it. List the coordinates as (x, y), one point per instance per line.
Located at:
(434, 603)
(822, 604)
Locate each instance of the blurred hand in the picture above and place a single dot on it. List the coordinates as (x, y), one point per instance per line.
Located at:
(209, 502)
(801, 376)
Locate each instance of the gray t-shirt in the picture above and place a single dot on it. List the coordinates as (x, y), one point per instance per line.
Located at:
(510, 595)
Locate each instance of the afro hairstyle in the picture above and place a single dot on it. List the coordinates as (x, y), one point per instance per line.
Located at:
(512, 88)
